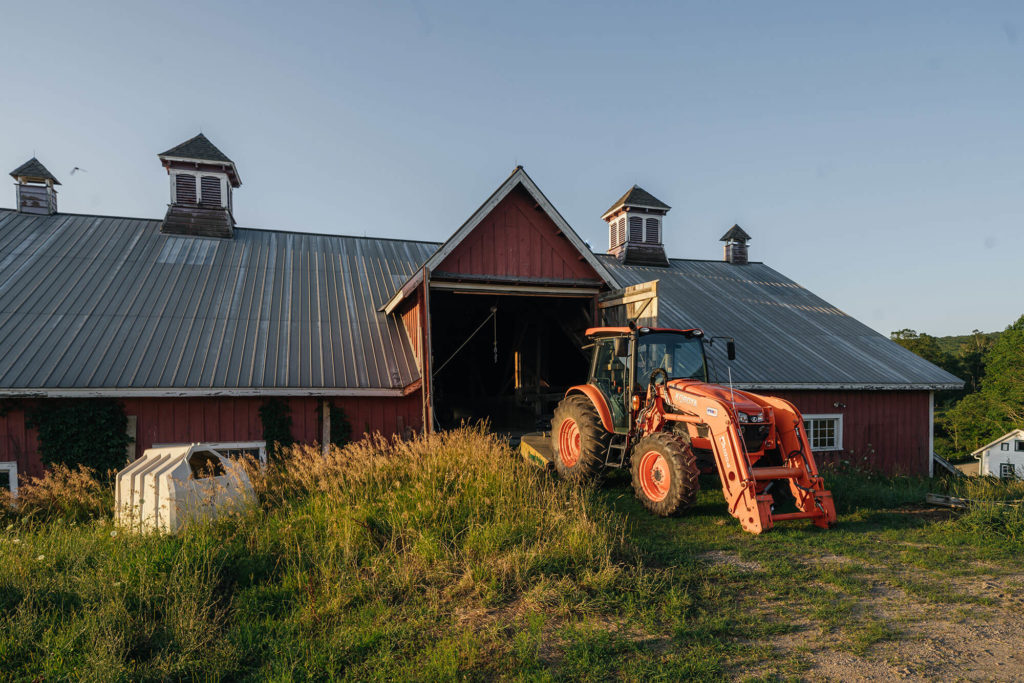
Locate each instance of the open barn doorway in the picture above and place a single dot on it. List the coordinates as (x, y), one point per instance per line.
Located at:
(505, 358)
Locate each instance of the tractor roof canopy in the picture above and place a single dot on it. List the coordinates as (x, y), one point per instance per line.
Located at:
(620, 331)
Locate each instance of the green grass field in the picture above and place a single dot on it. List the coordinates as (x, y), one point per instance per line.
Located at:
(447, 557)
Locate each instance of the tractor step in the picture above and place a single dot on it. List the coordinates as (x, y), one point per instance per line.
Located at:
(616, 444)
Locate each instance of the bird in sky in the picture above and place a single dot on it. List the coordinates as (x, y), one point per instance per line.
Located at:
(77, 169)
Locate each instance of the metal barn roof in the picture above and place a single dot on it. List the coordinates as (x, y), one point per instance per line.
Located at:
(89, 303)
(97, 303)
(786, 336)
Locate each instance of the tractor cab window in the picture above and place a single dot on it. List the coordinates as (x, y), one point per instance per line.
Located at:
(680, 356)
(611, 376)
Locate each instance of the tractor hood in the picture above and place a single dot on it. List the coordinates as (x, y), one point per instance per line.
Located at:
(678, 388)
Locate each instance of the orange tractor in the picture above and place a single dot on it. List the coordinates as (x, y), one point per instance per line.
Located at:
(755, 442)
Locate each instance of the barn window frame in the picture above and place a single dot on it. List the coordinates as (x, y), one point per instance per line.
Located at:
(1005, 446)
(818, 428)
(1007, 471)
(12, 476)
(1018, 445)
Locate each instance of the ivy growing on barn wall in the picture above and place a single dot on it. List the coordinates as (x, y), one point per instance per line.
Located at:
(91, 432)
(341, 428)
(9, 405)
(276, 416)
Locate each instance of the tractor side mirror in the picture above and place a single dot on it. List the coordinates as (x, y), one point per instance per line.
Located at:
(730, 349)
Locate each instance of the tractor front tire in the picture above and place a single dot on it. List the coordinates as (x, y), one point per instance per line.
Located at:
(578, 439)
(665, 474)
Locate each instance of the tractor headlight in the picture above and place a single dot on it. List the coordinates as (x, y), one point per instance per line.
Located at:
(757, 417)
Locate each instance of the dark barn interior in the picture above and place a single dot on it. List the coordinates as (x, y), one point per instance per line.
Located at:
(505, 358)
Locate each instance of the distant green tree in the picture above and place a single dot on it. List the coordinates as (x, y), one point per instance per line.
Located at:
(924, 345)
(998, 406)
(928, 347)
(971, 359)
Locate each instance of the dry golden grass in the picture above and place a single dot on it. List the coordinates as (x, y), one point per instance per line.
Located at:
(72, 494)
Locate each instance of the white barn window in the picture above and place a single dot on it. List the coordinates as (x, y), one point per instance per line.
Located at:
(824, 432)
(1006, 470)
(9, 477)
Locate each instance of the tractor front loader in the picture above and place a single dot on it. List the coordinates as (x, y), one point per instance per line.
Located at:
(756, 443)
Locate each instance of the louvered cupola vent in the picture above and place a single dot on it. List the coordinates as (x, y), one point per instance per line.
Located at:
(185, 189)
(202, 180)
(634, 228)
(37, 191)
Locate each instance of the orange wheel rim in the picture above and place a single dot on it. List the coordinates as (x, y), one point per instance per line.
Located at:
(569, 447)
(655, 477)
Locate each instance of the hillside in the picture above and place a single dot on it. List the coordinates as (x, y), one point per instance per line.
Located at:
(448, 557)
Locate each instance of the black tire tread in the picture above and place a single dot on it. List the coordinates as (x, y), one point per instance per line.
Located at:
(685, 474)
(594, 438)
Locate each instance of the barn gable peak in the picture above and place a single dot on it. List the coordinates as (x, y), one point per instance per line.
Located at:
(557, 240)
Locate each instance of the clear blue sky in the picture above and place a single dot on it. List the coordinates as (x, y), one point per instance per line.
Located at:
(874, 151)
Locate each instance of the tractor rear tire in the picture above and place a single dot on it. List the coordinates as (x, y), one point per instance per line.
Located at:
(578, 439)
(665, 474)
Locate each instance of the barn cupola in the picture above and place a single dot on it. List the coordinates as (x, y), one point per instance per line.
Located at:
(202, 180)
(36, 188)
(635, 229)
(736, 245)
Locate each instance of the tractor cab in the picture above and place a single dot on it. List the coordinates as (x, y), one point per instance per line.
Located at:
(624, 359)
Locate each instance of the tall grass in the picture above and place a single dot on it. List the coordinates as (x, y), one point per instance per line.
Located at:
(404, 557)
(996, 507)
(856, 489)
(64, 493)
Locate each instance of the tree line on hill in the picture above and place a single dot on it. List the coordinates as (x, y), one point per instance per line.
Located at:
(991, 364)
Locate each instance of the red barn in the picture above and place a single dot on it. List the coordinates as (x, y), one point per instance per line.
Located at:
(192, 322)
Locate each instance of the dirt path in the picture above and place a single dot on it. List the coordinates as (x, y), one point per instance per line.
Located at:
(969, 630)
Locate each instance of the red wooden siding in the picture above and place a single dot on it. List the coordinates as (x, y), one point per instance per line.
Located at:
(885, 431)
(177, 420)
(18, 443)
(517, 240)
(882, 430)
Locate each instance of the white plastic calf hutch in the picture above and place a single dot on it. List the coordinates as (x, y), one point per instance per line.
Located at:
(172, 485)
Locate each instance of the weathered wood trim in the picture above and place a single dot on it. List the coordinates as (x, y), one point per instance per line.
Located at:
(538, 290)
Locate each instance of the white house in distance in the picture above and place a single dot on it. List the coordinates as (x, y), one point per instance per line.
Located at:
(1003, 458)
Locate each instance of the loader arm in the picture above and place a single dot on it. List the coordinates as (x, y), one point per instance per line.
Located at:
(744, 483)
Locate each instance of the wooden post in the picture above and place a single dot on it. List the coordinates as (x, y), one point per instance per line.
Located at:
(326, 438)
